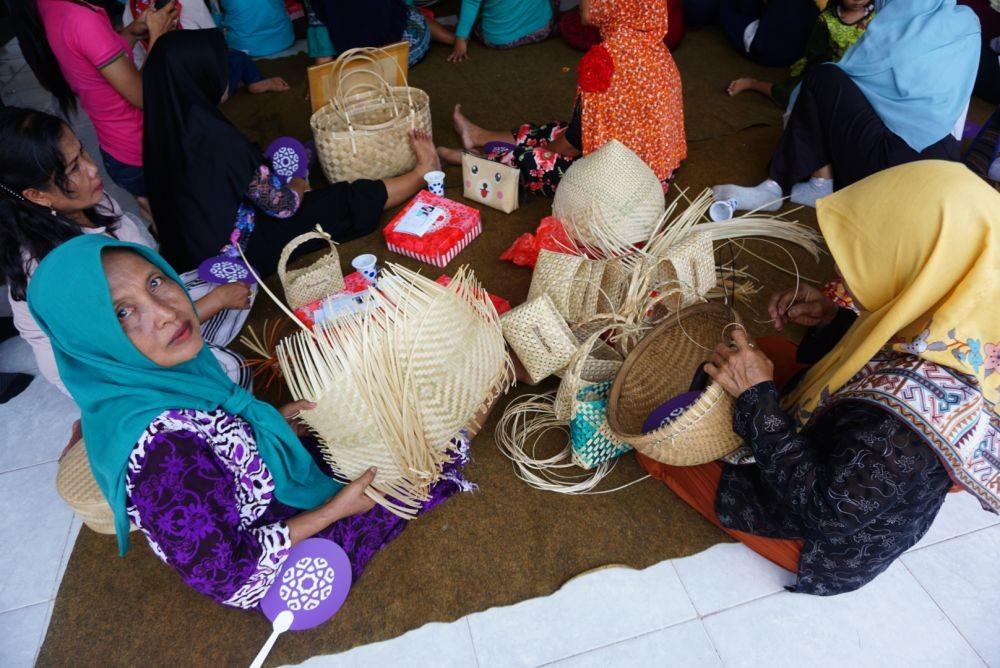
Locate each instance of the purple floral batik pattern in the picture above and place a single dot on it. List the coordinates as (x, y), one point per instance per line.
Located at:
(204, 498)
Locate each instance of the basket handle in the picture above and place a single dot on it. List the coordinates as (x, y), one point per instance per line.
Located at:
(364, 53)
(344, 91)
(286, 253)
(571, 380)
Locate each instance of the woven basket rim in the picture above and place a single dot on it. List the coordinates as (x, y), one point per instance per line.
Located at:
(414, 101)
(708, 400)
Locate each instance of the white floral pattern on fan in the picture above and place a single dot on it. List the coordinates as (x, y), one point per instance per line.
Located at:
(307, 583)
(229, 271)
(285, 161)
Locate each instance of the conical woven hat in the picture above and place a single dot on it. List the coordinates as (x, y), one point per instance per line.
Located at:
(609, 200)
(395, 383)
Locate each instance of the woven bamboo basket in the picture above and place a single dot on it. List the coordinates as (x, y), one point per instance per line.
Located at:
(609, 200)
(540, 337)
(76, 485)
(593, 362)
(573, 282)
(364, 135)
(320, 279)
(395, 383)
(660, 367)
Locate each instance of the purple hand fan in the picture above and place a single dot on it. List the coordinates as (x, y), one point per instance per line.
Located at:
(310, 588)
(669, 411)
(312, 585)
(223, 269)
(289, 158)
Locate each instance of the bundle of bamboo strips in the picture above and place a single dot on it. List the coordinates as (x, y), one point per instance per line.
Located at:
(391, 385)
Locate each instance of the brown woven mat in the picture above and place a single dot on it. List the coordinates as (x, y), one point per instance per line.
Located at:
(503, 544)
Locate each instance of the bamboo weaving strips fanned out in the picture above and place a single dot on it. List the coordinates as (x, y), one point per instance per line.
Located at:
(394, 384)
(645, 283)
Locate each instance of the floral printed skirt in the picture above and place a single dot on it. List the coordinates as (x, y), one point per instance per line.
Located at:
(541, 169)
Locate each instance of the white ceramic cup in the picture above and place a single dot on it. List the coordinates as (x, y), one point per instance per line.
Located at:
(367, 266)
(435, 182)
(722, 210)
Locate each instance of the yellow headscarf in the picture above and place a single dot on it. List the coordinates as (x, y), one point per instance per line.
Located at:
(919, 247)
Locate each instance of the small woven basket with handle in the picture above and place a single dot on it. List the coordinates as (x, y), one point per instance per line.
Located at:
(320, 279)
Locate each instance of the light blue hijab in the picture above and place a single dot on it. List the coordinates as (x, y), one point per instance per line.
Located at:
(917, 64)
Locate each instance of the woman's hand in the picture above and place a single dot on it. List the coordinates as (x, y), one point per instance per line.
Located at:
(160, 21)
(739, 369)
(138, 29)
(810, 308)
(300, 186)
(235, 296)
(352, 500)
(291, 414)
(460, 51)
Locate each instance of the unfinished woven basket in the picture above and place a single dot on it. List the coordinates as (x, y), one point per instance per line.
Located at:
(609, 200)
(76, 485)
(572, 281)
(660, 367)
(540, 337)
(395, 383)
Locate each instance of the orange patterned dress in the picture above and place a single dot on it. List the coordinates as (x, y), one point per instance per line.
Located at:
(643, 108)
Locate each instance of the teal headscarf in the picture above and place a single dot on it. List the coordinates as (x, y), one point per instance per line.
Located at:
(120, 391)
(916, 65)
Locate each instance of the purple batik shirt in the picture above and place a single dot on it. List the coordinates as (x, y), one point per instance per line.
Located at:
(204, 498)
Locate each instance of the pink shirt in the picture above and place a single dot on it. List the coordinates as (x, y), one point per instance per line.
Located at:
(83, 41)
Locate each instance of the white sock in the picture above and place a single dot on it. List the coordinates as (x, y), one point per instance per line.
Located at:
(766, 196)
(807, 192)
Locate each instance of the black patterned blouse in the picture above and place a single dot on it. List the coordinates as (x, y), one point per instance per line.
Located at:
(858, 485)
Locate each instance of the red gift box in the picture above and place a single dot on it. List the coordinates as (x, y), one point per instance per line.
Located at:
(432, 229)
(353, 284)
(499, 303)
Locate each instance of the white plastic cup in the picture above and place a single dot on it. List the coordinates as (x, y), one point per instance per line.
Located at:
(435, 183)
(367, 266)
(722, 210)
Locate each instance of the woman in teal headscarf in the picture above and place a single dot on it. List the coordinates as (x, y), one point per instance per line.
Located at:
(218, 481)
(900, 94)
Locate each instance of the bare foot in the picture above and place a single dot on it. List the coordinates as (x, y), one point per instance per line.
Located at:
(427, 156)
(465, 129)
(272, 85)
(450, 156)
(737, 86)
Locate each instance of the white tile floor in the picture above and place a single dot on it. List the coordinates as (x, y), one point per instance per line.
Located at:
(939, 605)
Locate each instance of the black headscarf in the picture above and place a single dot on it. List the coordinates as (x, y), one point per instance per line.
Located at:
(368, 23)
(197, 165)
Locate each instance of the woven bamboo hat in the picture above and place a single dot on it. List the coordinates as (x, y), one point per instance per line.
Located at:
(76, 485)
(609, 200)
(395, 383)
(660, 367)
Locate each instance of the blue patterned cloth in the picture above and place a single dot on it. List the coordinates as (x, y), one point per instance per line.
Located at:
(418, 36)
